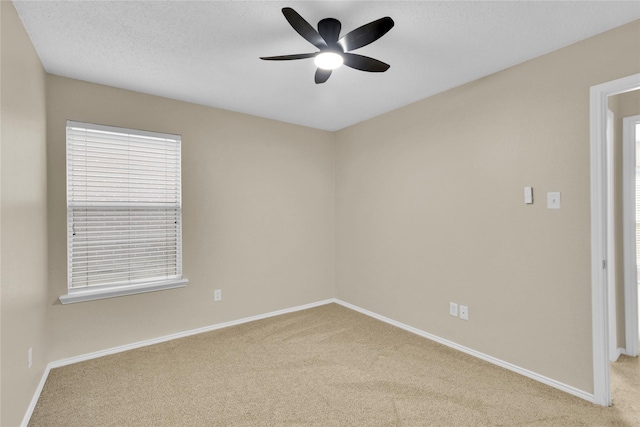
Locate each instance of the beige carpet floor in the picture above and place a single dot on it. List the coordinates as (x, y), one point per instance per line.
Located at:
(326, 366)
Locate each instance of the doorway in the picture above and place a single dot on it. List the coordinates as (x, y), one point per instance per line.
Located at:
(631, 228)
(623, 116)
(600, 237)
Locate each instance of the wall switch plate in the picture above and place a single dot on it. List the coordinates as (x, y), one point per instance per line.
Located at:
(553, 200)
(453, 309)
(528, 195)
(30, 356)
(464, 312)
(217, 295)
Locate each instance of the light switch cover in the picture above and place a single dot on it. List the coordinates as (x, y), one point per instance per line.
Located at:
(528, 195)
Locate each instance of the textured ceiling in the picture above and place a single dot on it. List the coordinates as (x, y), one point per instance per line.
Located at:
(206, 52)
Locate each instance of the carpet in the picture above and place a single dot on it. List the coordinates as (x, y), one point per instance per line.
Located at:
(325, 366)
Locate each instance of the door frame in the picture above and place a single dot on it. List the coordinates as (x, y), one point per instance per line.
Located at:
(629, 239)
(599, 95)
(611, 243)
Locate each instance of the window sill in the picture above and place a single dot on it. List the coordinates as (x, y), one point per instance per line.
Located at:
(94, 294)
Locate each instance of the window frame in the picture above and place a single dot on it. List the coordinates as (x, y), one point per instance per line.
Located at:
(128, 286)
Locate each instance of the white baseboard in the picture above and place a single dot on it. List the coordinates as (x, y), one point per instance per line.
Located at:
(127, 347)
(619, 353)
(68, 361)
(529, 374)
(165, 338)
(36, 396)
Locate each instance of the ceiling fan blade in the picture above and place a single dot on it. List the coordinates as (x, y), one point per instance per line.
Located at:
(329, 29)
(366, 34)
(288, 57)
(322, 75)
(304, 28)
(364, 63)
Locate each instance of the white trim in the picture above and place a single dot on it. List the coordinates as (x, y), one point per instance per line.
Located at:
(597, 116)
(629, 234)
(525, 372)
(611, 247)
(85, 294)
(145, 343)
(36, 396)
(599, 300)
(619, 352)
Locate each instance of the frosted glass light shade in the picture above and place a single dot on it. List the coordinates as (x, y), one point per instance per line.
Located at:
(328, 60)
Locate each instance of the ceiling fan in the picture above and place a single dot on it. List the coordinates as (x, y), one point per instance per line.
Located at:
(334, 51)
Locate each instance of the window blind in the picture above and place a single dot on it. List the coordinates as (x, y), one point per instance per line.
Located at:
(123, 206)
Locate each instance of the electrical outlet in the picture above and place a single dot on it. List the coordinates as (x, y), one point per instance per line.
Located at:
(553, 200)
(464, 312)
(217, 294)
(30, 356)
(453, 309)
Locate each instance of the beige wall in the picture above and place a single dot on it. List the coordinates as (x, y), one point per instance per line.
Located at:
(430, 209)
(624, 105)
(258, 218)
(23, 211)
(426, 202)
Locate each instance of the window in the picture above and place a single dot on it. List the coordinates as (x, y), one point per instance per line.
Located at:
(124, 213)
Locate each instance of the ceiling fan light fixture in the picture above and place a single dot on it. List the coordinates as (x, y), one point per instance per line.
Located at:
(328, 60)
(334, 50)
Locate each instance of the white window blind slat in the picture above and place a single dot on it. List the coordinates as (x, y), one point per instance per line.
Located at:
(116, 256)
(80, 142)
(112, 162)
(141, 270)
(124, 206)
(117, 263)
(115, 246)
